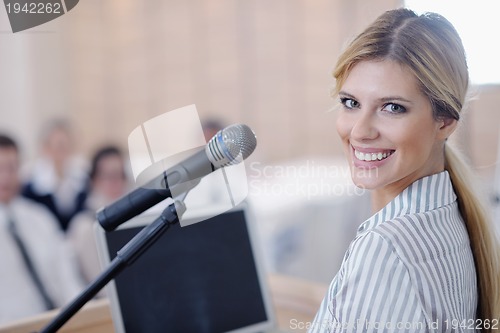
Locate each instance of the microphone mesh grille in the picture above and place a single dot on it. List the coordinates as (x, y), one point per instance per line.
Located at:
(238, 139)
(231, 145)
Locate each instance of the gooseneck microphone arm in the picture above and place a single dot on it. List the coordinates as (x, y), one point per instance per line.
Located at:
(134, 203)
(126, 256)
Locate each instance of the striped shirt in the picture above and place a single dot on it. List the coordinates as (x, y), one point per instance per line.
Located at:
(409, 269)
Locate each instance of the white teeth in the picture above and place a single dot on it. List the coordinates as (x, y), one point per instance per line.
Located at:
(371, 156)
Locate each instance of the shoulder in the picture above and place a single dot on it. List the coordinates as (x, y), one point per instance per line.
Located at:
(30, 211)
(28, 205)
(367, 249)
(369, 257)
(426, 235)
(370, 240)
(81, 223)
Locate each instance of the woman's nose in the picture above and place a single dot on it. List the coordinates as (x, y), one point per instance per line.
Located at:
(364, 126)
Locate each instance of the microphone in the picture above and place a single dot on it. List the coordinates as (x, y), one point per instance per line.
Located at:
(229, 146)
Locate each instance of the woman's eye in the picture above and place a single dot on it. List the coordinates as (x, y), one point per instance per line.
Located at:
(394, 108)
(349, 103)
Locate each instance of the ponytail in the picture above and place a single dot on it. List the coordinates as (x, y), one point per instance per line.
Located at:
(482, 237)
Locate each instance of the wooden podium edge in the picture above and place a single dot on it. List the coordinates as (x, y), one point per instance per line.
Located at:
(94, 314)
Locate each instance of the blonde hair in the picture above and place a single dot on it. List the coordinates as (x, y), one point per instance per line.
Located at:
(432, 49)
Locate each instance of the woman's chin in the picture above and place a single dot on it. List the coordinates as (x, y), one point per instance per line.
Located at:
(366, 178)
(366, 183)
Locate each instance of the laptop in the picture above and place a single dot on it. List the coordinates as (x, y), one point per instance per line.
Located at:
(204, 277)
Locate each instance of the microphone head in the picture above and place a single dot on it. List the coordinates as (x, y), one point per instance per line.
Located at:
(231, 145)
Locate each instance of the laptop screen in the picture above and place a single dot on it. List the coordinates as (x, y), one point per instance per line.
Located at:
(200, 278)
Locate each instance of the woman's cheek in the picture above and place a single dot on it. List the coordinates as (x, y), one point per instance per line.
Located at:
(342, 126)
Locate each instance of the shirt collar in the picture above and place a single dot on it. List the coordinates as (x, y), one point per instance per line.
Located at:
(425, 194)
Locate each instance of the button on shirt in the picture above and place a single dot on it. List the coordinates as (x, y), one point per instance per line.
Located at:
(51, 257)
(410, 268)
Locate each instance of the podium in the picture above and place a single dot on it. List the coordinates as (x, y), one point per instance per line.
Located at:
(293, 299)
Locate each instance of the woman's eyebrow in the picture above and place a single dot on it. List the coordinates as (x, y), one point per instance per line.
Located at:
(343, 93)
(395, 98)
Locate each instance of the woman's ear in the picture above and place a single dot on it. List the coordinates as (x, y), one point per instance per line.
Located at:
(446, 128)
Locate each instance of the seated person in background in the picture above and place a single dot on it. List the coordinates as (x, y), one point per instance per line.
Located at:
(58, 179)
(210, 127)
(37, 268)
(108, 182)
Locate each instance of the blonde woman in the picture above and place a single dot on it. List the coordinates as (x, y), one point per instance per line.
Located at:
(426, 260)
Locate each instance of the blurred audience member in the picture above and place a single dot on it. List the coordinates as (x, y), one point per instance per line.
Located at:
(58, 178)
(38, 271)
(211, 127)
(108, 182)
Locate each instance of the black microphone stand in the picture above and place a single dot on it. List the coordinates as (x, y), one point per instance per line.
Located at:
(124, 257)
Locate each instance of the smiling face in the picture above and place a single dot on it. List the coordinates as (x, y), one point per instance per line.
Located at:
(387, 127)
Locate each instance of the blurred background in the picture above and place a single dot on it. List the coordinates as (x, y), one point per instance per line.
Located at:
(107, 66)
